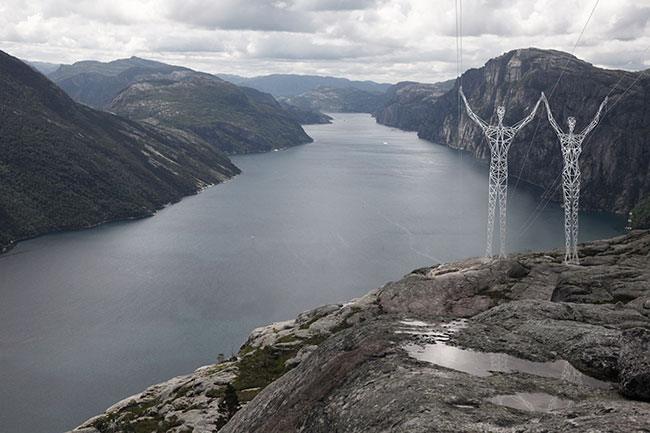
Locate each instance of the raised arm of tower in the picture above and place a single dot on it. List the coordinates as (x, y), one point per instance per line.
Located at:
(551, 120)
(480, 122)
(523, 122)
(594, 122)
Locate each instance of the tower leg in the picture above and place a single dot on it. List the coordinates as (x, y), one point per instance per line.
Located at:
(492, 197)
(574, 224)
(503, 201)
(567, 222)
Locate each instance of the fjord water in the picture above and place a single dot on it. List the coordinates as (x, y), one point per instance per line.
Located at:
(89, 317)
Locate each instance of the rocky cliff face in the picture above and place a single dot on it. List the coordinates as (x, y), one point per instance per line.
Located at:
(615, 162)
(526, 344)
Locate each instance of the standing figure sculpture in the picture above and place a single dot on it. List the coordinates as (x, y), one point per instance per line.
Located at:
(571, 148)
(499, 138)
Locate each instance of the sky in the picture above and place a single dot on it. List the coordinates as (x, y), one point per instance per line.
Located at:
(380, 40)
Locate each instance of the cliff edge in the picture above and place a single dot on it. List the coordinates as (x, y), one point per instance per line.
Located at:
(526, 344)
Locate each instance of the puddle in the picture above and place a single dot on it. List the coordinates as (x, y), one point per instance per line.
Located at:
(532, 401)
(484, 364)
(431, 332)
(432, 348)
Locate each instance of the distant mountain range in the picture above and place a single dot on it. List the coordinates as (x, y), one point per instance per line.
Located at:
(215, 110)
(66, 165)
(615, 162)
(337, 99)
(288, 85)
(44, 68)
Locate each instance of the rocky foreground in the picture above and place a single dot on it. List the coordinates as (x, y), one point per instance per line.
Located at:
(526, 344)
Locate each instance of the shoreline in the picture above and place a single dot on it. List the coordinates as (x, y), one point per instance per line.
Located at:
(14, 242)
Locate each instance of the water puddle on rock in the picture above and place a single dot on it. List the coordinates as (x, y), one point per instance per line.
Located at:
(435, 350)
(532, 401)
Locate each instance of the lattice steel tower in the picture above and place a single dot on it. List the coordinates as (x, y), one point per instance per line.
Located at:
(571, 148)
(499, 138)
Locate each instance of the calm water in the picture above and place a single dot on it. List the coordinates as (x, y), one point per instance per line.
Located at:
(90, 317)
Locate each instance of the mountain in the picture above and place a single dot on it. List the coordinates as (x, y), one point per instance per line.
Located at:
(235, 79)
(306, 116)
(230, 118)
(165, 95)
(523, 344)
(287, 85)
(44, 68)
(408, 102)
(65, 165)
(336, 99)
(615, 161)
(96, 83)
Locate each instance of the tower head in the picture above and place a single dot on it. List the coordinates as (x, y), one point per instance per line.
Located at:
(571, 121)
(501, 111)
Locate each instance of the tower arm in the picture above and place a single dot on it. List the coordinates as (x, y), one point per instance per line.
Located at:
(551, 120)
(480, 122)
(594, 122)
(523, 122)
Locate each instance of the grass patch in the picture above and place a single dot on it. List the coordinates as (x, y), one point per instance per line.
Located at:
(266, 365)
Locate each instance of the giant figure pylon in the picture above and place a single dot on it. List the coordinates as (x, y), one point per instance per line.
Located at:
(500, 138)
(571, 148)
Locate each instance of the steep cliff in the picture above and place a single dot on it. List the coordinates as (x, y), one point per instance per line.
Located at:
(615, 162)
(526, 344)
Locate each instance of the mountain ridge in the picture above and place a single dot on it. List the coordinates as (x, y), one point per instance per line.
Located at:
(288, 85)
(67, 166)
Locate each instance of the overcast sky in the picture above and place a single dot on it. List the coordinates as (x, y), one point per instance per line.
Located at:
(382, 40)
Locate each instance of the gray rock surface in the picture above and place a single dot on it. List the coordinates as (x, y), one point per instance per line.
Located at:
(634, 363)
(370, 365)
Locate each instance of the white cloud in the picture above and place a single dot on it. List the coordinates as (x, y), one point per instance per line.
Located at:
(384, 40)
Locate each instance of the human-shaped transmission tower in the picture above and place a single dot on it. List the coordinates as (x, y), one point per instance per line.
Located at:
(571, 148)
(499, 138)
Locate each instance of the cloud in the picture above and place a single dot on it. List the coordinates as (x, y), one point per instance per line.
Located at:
(385, 40)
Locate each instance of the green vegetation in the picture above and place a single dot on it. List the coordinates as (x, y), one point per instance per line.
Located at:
(641, 214)
(136, 418)
(263, 367)
(64, 165)
(228, 406)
